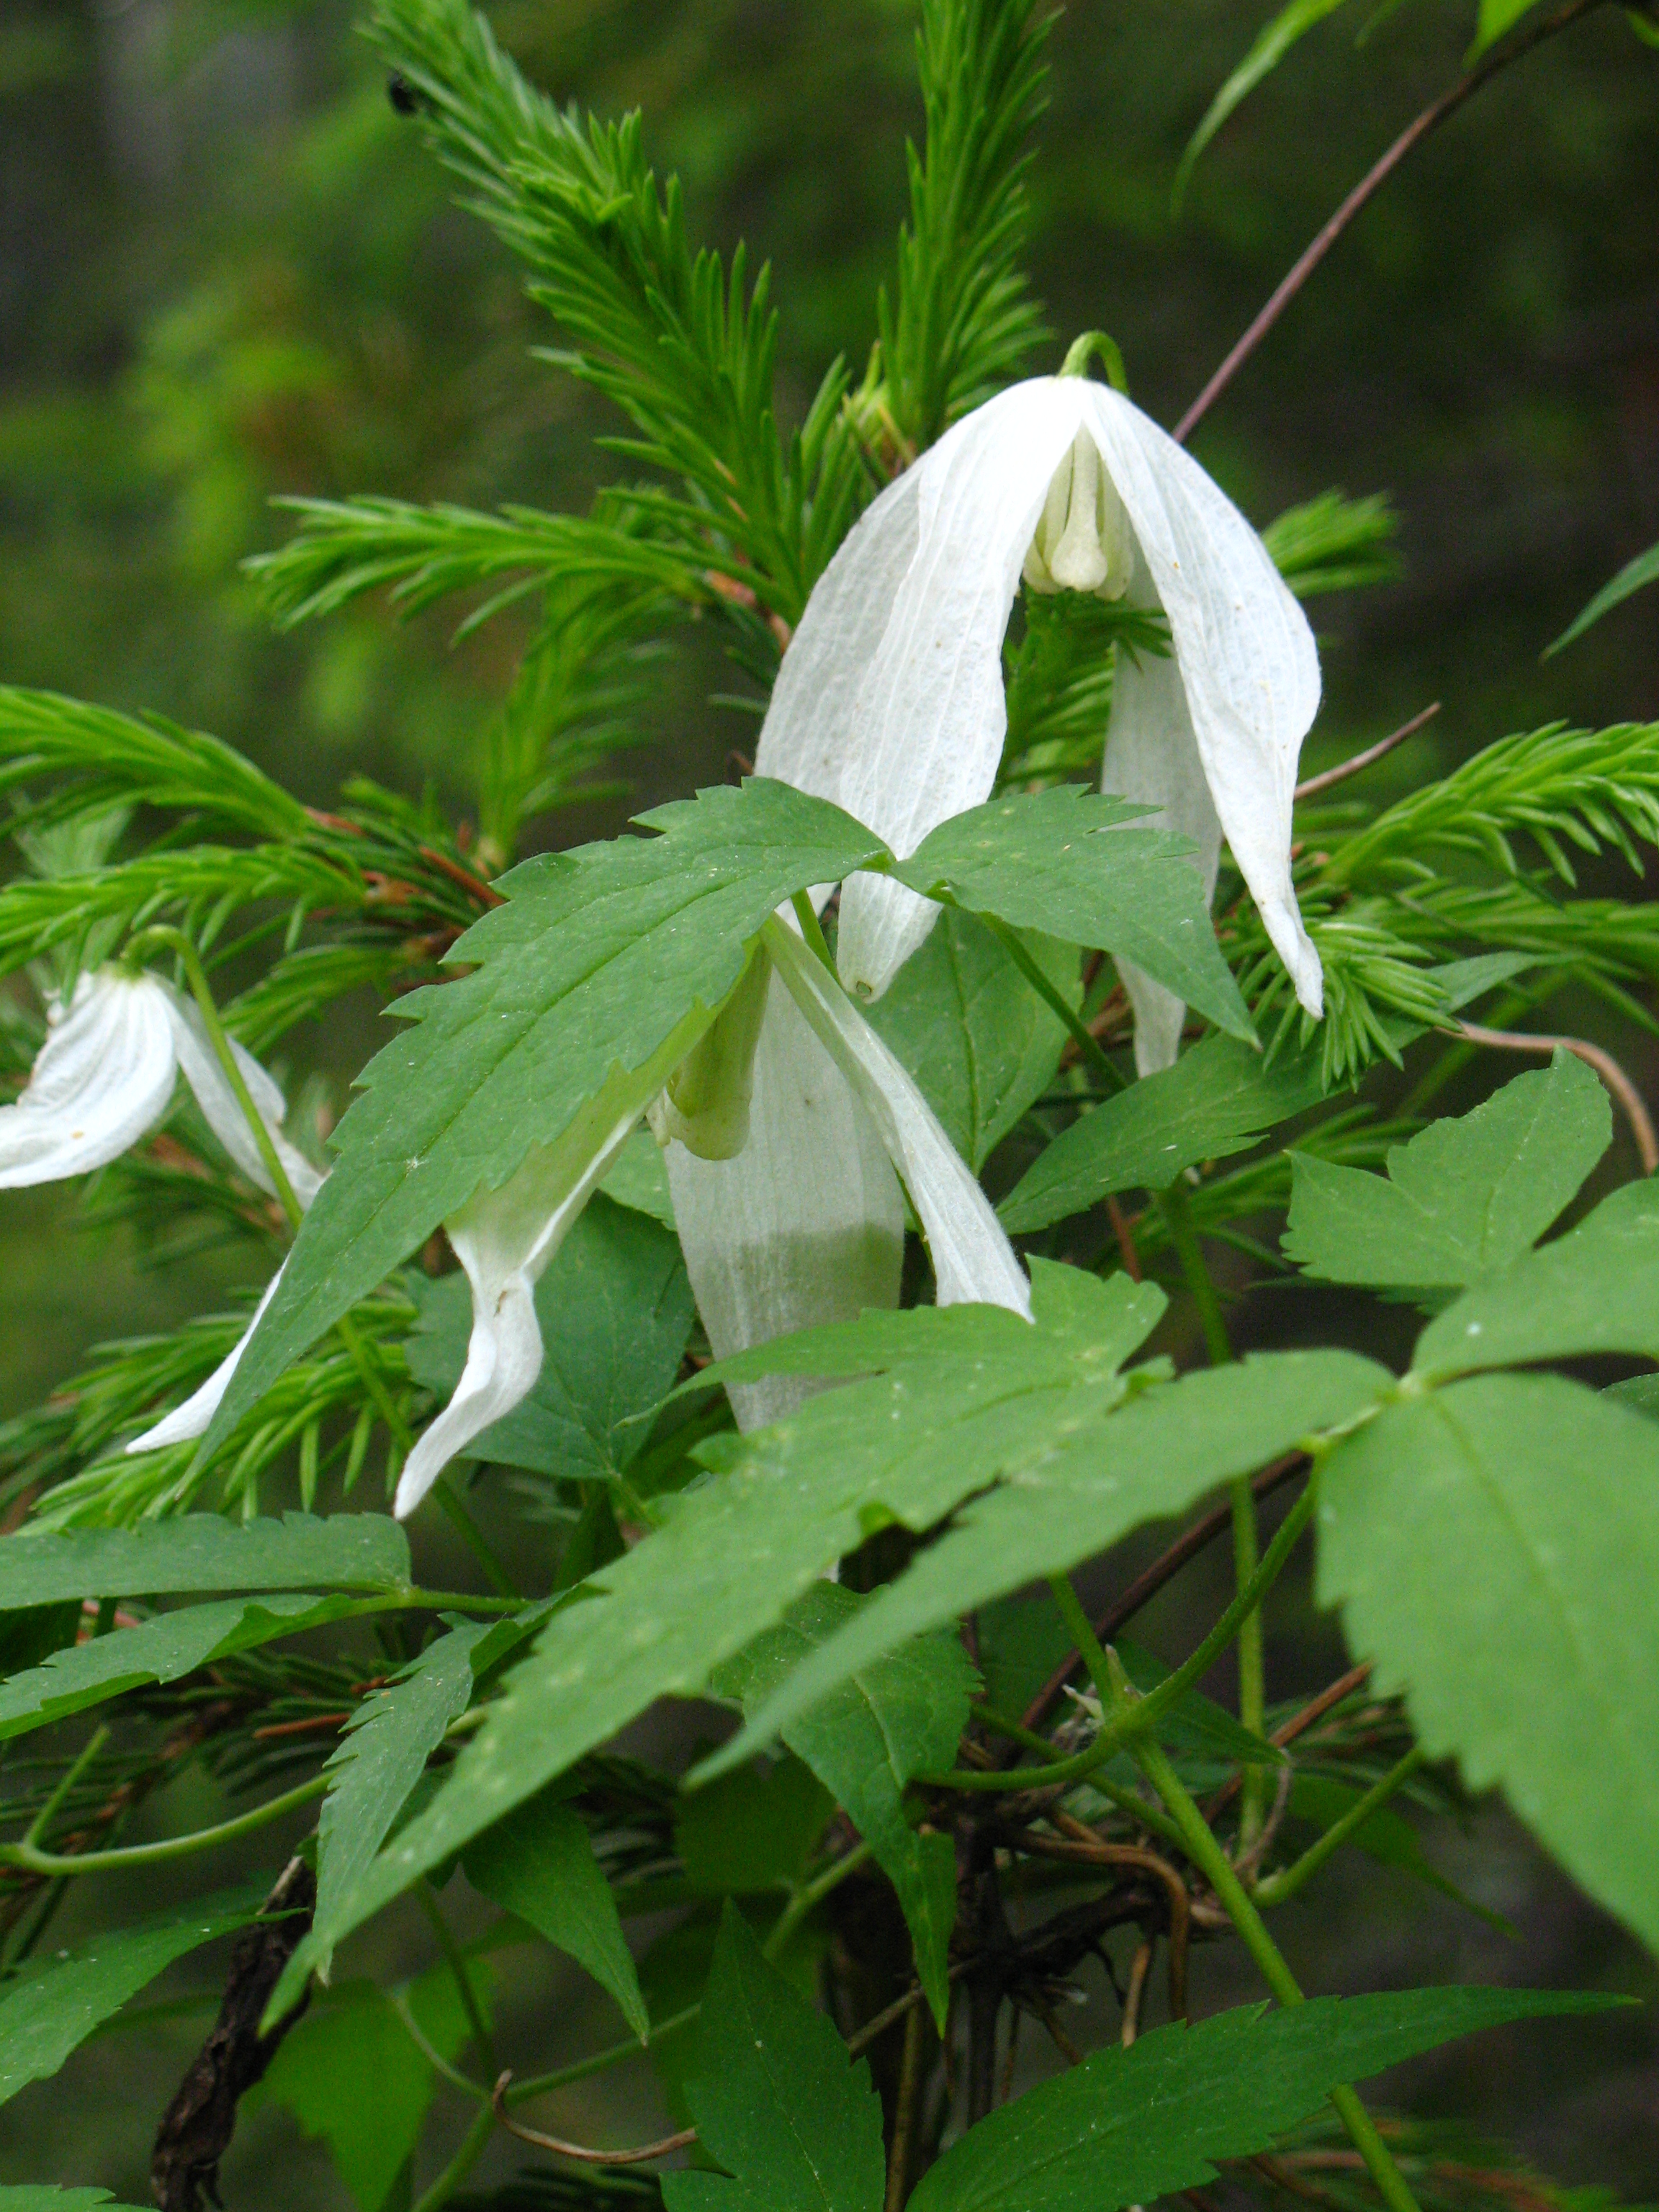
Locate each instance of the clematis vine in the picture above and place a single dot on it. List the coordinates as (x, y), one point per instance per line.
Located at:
(891, 698)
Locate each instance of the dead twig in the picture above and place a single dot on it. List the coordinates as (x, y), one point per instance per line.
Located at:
(1081, 1845)
(1287, 1732)
(1625, 1092)
(1139, 1967)
(639, 2156)
(1343, 770)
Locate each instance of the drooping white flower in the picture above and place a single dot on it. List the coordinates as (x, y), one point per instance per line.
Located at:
(891, 699)
(105, 1076)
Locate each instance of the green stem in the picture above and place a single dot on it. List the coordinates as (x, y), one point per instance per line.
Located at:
(474, 1538)
(812, 930)
(542, 2085)
(1294, 1876)
(1089, 1047)
(31, 1860)
(472, 2150)
(89, 1751)
(1214, 1864)
(426, 1898)
(435, 2058)
(1177, 1214)
(810, 1894)
(1252, 1661)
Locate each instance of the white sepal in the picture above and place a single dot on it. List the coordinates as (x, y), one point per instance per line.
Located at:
(102, 1078)
(194, 1417)
(505, 1240)
(804, 1227)
(973, 1260)
(198, 1064)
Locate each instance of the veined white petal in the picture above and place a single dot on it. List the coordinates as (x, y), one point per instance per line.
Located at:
(199, 1065)
(1151, 756)
(505, 1239)
(192, 1419)
(805, 1226)
(103, 1077)
(1246, 654)
(973, 1260)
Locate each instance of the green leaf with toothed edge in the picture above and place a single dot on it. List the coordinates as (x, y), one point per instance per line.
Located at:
(205, 1552)
(776, 2099)
(47, 2196)
(1045, 861)
(1130, 2125)
(1069, 1498)
(1494, 1547)
(986, 1392)
(591, 981)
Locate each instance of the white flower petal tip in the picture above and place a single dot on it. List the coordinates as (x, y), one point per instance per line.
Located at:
(504, 1240)
(194, 1417)
(199, 1065)
(891, 700)
(103, 1077)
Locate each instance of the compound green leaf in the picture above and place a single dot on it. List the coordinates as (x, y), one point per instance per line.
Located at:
(980, 1043)
(776, 2101)
(1465, 1197)
(730, 1556)
(1128, 2126)
(49, 2008)
(589, 985)
(901, 1717)
(160, 1649)
(754, 1831)
(1494, 1547)
(1080, 1486)
(205, 1552)
(615, 1310)
(1058, 861)
(539, 1865)
(1220, 1098)
(46, 2197)
(1596, 1289)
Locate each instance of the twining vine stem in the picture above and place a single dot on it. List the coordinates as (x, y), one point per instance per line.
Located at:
(1433, 116)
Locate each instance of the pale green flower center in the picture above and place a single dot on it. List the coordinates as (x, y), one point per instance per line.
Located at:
(1084, 542)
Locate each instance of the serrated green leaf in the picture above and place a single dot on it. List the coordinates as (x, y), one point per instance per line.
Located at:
(205, 1552)
(1220, 1098)
(1270, 47)
(1632, 577)
(902, 1717)
(963, 1020)
(50, 2008)
(1640, 1393)
(352, 2056)
(160, 1649)
(1385, 1835)
(539, 1865)
(1128, 2126)
(46, 2197)
(1045, 860)
(754, 1831)
(592, 981)
(615, 1309)
(1596, 1288)
(1082, 1480)
(776, 2099)
(1494, 1547)
(640, 1181)
(733, 1555)
(1465, 1197)
(383, 1755)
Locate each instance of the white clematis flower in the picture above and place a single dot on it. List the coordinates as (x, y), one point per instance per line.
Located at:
(891, 698)
(105, 1076)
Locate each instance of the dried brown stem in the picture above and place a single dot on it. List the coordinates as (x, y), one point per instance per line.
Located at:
(1139, 1967)
(639, 2156)
(1343, 770)
(1623, 1090)
(1287, 1732)
(1081, 1844)
(1432, 117)
(905, 2112)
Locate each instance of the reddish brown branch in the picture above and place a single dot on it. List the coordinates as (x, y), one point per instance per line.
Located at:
(638, 2156)
(1623, 1090)
(1343, 770)
(1287, 1732)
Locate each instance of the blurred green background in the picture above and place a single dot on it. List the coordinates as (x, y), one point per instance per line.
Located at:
(228, 272)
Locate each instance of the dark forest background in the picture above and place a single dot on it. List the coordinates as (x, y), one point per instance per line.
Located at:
(228, 272)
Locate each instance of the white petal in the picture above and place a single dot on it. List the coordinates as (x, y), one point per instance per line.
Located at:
(1245, 653)
(1151, 756)
(973, 1260)
(194, 1417)
(895, 708)
(804, 1227)
(218, 1102)
(102, 1078)
(504, 1239)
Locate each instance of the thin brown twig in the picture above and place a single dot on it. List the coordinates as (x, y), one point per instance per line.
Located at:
(1139, 1967)
(474, 886)
(1082, 1847)
(1343, 770)
(1146, 1586)
(639, 2156)
(1298, 1723)
(1128, 1251)
(1623, 1090)
(1433, 116)
(904, 2113)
